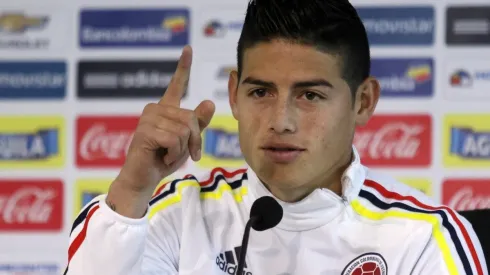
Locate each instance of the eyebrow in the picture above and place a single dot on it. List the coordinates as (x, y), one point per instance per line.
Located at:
(299, 84)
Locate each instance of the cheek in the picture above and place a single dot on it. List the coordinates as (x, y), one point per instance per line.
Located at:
(327, 130)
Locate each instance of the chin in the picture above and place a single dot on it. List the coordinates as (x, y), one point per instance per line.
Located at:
(278, 174)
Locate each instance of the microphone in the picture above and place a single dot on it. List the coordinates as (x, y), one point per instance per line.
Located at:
(265, 214)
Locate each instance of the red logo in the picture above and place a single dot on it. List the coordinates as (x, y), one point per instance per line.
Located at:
(395, 140)
(466, 194)
(103, 141)
(31, 205)
(367, 264)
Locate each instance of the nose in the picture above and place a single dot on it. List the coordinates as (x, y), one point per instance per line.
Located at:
(282, 117)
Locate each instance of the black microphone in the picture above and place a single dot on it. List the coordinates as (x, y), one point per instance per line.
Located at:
(265, 214)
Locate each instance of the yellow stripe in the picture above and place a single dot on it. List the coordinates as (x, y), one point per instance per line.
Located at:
(216, 194)
(436, 228)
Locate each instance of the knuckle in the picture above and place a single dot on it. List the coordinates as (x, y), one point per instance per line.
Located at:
(184, 131)
(149, 108)
(174, 140)
(189, 117)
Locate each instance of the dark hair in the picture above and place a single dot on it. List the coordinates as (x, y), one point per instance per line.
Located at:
(332, 26)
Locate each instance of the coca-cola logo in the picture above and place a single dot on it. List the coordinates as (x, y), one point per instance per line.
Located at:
(100, 143)
(31, 205)
(28, 205)
(393, 140)
(466, 199)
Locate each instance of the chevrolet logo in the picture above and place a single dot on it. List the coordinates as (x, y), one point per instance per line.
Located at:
(19, 23)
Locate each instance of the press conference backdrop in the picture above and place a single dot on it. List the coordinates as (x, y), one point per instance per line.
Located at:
(75, 75)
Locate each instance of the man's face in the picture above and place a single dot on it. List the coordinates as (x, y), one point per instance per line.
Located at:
(295, 114)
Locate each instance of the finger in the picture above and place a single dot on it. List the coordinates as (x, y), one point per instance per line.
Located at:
(180, 79)
(191, 120)
(166, 140)
(194, 142)
(172, 146)
(204, 112)
(178, 129)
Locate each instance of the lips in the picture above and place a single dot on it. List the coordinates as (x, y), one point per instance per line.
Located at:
(282, 153)
(282, 147)
(275, 149)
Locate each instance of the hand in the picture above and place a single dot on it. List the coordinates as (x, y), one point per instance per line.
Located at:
(166, 134)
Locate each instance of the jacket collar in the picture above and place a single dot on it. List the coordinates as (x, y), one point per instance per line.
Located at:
(319, 207)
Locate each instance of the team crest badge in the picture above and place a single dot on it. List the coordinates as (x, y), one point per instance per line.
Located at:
(367, 264)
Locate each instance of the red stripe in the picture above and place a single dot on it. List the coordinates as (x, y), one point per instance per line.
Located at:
(210, 180)
(225, 173)
(75, 245)
(392, 195)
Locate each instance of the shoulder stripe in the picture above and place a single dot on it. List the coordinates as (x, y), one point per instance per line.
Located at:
(77, 242)
(426, 209)
(225, 174)
(214, 190)
(205, 185)
(81, 217)
(415, 215)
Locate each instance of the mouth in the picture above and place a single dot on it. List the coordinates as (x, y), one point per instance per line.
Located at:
(286, 147)
(282, 153)
(282, 149)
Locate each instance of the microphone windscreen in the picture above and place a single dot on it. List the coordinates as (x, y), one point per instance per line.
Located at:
(267, 212)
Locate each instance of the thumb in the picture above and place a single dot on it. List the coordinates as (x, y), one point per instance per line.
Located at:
(204, 112)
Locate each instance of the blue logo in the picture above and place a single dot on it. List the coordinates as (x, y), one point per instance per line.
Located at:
(398, 25)
(404, 77)
(134, 28)
(28, 146)
(215, 28)
(460, 78)
(471, 144)
(33, 79)
(222, 144)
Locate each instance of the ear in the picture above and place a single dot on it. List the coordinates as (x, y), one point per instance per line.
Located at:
(233, 92)
(367, 97)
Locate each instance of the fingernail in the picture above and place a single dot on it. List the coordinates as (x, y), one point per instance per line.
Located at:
(198, 154)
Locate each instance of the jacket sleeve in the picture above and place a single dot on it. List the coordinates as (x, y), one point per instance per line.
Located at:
(104, 242)
(453, 248)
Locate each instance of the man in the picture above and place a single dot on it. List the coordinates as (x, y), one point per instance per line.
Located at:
(301, 87)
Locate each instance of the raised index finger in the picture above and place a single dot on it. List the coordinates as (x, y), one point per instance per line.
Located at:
(180, 79)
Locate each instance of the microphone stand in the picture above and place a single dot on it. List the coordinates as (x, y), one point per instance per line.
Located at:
(243, 252)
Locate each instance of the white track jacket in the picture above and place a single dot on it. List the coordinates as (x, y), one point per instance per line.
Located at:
(195, 227)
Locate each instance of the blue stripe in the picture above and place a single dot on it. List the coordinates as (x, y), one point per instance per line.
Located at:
(81, 217)
(445, 222)
(210, 188)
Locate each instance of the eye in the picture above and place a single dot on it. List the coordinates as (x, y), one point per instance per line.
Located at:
(259, 92)
(311, 96)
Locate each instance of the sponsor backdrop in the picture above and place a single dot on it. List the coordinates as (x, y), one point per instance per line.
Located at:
(75, 75)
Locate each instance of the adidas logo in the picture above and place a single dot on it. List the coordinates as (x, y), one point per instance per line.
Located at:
(228, 262)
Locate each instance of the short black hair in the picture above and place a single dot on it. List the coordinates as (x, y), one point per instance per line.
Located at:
(332, 26)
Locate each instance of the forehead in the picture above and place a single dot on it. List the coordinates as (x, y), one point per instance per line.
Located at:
(283, 60)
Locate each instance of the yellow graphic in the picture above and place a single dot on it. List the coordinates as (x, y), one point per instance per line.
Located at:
(32, 142)
(18, 23)
(176, 23)
(87, 189)
(221, 147)
(419, 73)
(466, 142)
(423, 185)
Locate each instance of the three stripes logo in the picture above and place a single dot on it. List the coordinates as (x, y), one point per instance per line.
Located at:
(228, 261)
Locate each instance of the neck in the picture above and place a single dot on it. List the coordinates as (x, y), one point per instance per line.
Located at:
(331, 179)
